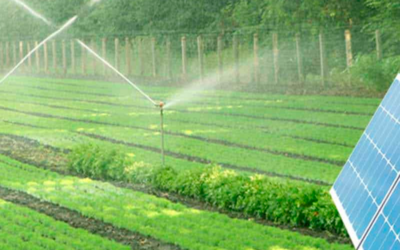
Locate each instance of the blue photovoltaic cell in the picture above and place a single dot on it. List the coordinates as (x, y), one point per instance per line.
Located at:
(384, 234)
(364, 188)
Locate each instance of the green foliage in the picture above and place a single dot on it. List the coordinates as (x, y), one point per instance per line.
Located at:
(375, 74)
(22, 228)
(96, 162)
(119, 17)
(283, 203)
(159, 218)
(369, 73)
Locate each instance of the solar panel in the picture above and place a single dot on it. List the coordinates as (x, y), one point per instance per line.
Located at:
(367, 191)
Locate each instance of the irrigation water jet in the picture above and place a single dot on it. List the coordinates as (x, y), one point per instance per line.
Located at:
(65, 26)
(32, 12)
(116, 71)
(210, 82)
(92, 3)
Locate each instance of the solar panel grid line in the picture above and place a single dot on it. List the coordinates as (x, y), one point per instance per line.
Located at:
(381, 153)
(393, 184)
(363, 183)
(386, 221)
(345, 218)
(375, 162)
(373, 221)
(390, 114)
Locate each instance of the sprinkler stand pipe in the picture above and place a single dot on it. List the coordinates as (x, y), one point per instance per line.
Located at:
(161, 106)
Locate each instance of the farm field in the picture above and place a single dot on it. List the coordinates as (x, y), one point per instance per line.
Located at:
(299, 140)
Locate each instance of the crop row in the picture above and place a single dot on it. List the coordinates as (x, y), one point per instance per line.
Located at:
(217, 120)
(175, 223)
(330, 135)
(206, 103)
(296, 205)
(210, 152)
(22, 228)
(126, 106)
(237, 110)
(328, 103)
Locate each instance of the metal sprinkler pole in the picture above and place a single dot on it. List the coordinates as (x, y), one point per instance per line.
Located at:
(161, 106)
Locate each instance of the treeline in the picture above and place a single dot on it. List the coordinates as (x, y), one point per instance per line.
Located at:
(114, 17)
(172, 19)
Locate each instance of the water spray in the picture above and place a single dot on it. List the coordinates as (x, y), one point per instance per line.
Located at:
(65, 26)
(160, 105)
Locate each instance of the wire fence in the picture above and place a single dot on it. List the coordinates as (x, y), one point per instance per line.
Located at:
(259, 58)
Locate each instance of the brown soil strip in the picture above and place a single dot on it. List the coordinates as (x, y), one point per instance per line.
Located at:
(51, 82)
(264, 129)
(59, 167)
(354, 104)
(64, 91)
(314, 110)
(52, 106)
(275, 119)
(76, 220)
(275, 99)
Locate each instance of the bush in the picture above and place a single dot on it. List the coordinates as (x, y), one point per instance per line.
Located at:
(96, 162)
(297, 205)
(373, 74)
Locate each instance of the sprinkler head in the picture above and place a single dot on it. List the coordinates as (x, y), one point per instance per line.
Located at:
(160, 105)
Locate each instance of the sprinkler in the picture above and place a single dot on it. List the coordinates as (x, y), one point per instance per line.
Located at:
(161, 107)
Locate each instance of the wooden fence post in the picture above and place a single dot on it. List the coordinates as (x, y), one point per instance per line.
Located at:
(28, 48)
(378, 44)
(46, 58)
(184, 58)
(21, 55)
(140, 55)
(322, 58)
(200, 55)
(220, 58)
(128, 56)
(1, 57)
(116, 53)
(168, 58)
(8, 55)
(104, 53)
(275, 49)
(153, 56)
(349, 52)
(37, 58)
(14, 54)
(64, 57)
(54, 52)
(94, 59)
(84, 61)
(256, 59)
(236, 57)
(73, 62)
(299, 59)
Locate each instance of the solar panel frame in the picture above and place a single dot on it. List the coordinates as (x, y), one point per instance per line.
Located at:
(381, 162)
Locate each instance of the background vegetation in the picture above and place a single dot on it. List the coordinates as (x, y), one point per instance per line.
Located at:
(122, 18)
